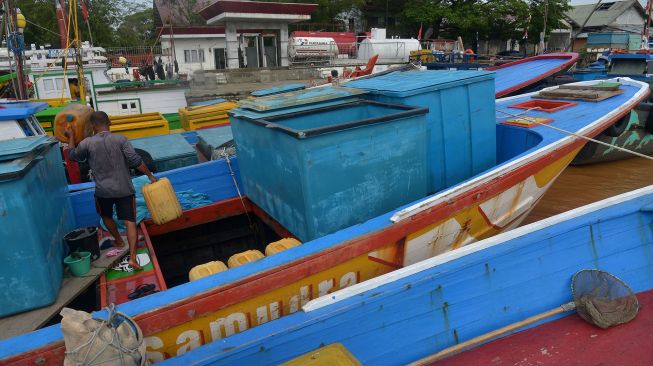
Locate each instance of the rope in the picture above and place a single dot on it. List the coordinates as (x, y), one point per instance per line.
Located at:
(65, 53)
(225, 155)
(573, 133)
(8, 23)
(16, 42)
(112, 321)
(44, 28)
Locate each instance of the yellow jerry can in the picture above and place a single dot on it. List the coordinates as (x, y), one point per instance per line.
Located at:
(239, 259)
(332, 355)
(281, 245)
(161, 201)
(206, 269)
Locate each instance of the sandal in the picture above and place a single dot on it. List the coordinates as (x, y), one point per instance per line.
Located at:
(143, 259)
(123, 265)
(142, 290)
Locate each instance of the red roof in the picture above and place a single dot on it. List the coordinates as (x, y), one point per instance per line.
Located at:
(251, 7)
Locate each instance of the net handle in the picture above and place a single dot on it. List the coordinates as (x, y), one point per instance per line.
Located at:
(491, 335)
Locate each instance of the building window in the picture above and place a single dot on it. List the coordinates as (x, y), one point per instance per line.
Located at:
(48, 84)
(59, 84)
(605, 6)
(193, 56)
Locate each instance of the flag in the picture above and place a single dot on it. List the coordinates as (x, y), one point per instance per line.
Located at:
(419, 34)
(85, 10)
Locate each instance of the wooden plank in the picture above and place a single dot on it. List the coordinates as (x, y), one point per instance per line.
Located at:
(600, 86)
(71, 287)
(586, 95)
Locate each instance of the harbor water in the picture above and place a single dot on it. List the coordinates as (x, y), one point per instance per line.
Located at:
(582, 185)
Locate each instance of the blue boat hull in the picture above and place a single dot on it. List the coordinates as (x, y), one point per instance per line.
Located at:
(419, 310)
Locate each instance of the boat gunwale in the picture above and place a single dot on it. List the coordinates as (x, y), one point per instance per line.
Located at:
(200, 303)
(369, 241)
(591, 130)
(565, 217)
(572, 56)
(412, 276)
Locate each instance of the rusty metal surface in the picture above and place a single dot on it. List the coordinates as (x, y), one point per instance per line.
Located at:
(299, 98)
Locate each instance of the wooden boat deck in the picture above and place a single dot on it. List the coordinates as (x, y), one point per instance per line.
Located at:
(70, 287)
(570, 341)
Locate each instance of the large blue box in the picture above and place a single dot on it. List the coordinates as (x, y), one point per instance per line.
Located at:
(324, 169)
(169, 151)
(210, 139)
(35, 214)
(461, 123)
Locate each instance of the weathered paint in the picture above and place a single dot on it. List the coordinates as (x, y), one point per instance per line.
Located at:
(517, 75)
(418, 310)
(374, 237)
(260, 309)
(485, 219)
(635, 137)
(468, 226)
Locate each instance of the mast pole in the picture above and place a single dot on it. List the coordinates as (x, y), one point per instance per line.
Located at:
(61, 22)
(17, 45)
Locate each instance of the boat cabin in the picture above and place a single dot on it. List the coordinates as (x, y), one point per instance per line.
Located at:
(17, 119)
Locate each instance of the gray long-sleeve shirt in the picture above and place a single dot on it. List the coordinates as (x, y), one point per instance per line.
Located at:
(110, 156)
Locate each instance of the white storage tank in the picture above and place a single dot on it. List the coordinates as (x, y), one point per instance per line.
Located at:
(393, 49)
(312, 47)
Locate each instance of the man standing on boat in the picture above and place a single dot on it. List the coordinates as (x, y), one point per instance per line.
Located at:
(110, 157)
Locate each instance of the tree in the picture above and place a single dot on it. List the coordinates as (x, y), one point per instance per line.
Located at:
(185, 12)
(42, 22)
(449, 18)
(507, 19)
(494, 19)
(104, 18)
(555, 13)
(137, 29)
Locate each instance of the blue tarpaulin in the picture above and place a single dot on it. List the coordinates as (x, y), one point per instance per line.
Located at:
(188, 199)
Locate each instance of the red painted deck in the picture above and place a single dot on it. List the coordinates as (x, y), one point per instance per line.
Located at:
(570, 341)
(116, 291)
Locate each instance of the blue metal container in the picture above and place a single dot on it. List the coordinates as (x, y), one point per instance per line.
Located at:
(35, 214)
(278, 90)
(295, 101)
(614, 40)
(324, 169)
(461, 124)
(208, 102)
(169, 152)
(211, 138)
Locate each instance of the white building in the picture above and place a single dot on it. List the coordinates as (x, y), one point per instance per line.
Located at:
(239, 34)
(195, 48)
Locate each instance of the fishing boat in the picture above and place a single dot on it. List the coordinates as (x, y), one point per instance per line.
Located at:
(517, 76)
(531, 151)
(114, 97)
(634, 132)
(402, 316)
(17, 119)
(527, 73)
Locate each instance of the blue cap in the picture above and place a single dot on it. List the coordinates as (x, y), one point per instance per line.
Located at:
(69, 117)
